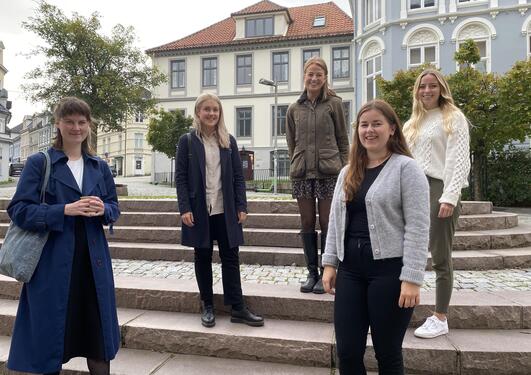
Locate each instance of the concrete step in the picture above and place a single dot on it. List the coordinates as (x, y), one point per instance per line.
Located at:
(148, 362)
(285, 256)
(468, 240)
(254, 206)
(468, 309)
(467, 351)
(494, 220)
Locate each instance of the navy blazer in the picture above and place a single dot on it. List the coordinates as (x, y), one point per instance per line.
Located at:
(191, 191)
(38, 336)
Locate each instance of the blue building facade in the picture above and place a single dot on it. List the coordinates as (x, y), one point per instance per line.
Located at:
(391, 35)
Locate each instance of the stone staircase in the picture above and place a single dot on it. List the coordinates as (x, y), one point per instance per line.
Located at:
(161, 332)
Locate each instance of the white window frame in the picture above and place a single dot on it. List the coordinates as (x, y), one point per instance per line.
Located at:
(422, 47)
(273, 64)
(376, 11)
(471, 3)
(373, 75)
(422, 6)
(490, 34)
(526, 32)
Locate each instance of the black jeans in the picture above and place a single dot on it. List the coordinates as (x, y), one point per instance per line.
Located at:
(367, 293)
(230, 266)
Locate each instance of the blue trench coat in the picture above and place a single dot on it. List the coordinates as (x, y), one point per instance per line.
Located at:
(191, 191)
(38, 337)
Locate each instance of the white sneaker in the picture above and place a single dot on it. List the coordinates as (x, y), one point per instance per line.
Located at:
(431, 328)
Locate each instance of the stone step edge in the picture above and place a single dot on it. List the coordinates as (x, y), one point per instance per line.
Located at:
(167, 332)
(148, 362)
(486, 310)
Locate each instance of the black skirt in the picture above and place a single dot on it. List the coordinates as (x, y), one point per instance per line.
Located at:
(83, 330)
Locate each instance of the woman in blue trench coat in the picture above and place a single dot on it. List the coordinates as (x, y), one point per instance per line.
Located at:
(213, 205)
(68, 308)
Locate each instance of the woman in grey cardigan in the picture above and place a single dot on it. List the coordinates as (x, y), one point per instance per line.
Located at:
(377, 241)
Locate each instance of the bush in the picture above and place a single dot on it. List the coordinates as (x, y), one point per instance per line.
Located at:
(509, 178)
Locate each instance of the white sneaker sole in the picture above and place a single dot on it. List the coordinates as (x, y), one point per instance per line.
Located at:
(429, 336)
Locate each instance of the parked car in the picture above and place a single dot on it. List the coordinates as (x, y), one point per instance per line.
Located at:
(15, 169)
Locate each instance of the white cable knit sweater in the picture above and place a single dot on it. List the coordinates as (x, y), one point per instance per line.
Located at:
(444, 156)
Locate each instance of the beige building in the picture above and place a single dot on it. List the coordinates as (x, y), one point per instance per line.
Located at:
(265, 40)
(36, 134)
(127, 150)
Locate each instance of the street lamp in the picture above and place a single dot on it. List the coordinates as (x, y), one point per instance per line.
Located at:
(274, 84)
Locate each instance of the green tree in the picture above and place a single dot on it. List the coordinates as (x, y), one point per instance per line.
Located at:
(108, 72)
(165, 129)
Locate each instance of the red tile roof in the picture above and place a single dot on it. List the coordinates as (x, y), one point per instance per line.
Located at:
(264, 6)
(222, 33)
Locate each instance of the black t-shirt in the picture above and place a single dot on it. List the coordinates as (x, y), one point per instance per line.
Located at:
(358, 225)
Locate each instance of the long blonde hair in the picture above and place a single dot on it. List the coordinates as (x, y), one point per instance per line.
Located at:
(325, 90)
(358, 159)
(221, 133)
(446, 104)
(69, 106)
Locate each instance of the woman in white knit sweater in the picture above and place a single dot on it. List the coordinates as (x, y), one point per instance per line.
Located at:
(437, 134)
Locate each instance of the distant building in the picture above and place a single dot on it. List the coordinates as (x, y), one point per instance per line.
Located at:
(5, 117)
(264, 40)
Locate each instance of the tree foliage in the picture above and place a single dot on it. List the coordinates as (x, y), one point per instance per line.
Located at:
(498, 107)
(108, 72)
(165, 129)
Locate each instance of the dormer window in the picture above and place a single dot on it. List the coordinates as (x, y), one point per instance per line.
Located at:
(319, 21)
(256, 27)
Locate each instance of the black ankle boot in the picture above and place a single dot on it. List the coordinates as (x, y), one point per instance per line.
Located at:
(208, 317)
(318, 287)
(309, 244)
(246, 317)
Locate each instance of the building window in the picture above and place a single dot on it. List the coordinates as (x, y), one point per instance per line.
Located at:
(139, 140)
(372, 11)
(422, 55)
(258, 27)
(244, 122)
(210, 72)
(340, 62)
(244, 69)
(139, 117)
(373, 70)
(280, 66)
(319, 21)
(346, 111)
(138, 164)
(281, 120)
(419, 4)
(177, 74)
(307, 53)
(471, 1)
(283, 163)
(480, 34)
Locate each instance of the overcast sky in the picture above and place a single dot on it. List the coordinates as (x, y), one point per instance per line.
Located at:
(155, 21)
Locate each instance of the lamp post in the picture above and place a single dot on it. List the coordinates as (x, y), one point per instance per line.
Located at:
(274, 84)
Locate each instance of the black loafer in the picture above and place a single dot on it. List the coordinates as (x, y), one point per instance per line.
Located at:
(208, 318)
(246, 317)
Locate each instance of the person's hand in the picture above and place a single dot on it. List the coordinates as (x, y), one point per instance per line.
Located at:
(188, 219)
(89, 206)
(409, 295)
(242, 216)
(329, 279)
(445, 210)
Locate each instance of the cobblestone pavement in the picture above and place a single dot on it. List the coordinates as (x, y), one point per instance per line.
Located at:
(511, 279)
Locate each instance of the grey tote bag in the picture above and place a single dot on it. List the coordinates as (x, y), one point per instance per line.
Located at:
(22, 249)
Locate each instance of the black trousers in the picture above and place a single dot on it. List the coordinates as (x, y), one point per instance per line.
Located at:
(367, 293)
(230, 266)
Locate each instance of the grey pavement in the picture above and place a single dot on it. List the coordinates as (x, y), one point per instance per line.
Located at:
(493, 280)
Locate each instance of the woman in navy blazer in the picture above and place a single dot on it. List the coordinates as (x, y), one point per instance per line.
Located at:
(68, 308)
(213, 206)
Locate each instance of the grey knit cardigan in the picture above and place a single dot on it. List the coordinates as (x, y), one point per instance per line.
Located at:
(398, 216)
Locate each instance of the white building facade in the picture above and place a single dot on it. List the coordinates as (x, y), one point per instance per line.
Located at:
(265, 40)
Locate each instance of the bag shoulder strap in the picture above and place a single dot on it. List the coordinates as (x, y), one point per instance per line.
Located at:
(47, 171)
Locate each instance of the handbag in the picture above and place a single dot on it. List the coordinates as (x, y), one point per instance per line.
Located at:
(22, 249)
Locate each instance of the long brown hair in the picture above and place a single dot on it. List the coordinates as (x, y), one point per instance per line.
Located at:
(73, 106)
(446, 104)
(325, 90)
(358, 158)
